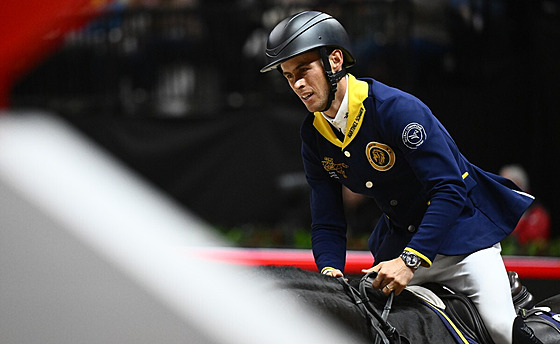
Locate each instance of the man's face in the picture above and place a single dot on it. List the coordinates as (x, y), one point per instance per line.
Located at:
(306, 77)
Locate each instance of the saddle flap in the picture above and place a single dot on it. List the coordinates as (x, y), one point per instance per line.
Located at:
(461, 310)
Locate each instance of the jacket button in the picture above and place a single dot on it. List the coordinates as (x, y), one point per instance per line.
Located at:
(369, 185)
(411, 228)
(347, 154)
(394, 202)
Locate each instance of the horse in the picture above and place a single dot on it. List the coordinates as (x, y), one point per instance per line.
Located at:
(408, 317)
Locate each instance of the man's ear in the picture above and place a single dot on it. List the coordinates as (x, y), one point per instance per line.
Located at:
(336, 59)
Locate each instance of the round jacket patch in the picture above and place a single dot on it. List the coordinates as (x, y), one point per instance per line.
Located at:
(413, 135)
(380, 156)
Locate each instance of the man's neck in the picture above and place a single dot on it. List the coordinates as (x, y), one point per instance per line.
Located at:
(339, 95)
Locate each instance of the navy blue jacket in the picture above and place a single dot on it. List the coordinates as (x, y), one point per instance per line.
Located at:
(395, 151)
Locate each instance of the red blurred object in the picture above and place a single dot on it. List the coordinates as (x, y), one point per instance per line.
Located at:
(534, 267)
(32, 29)
(355, 261)
(534, 225)
(526, 267)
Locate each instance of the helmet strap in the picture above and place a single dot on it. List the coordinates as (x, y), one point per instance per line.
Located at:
(332, 78)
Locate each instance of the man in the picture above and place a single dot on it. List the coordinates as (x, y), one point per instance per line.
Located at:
(440, 212)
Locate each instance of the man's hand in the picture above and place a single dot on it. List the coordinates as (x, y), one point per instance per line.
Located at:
(334, 273)
(392, 275)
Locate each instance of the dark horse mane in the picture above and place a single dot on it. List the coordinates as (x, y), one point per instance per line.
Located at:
(320, 292)
(414, 321)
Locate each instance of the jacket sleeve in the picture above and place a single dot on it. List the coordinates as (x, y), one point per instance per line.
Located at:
(433, 156)
(328, 227)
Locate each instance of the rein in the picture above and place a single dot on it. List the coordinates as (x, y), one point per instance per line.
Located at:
(384, 331)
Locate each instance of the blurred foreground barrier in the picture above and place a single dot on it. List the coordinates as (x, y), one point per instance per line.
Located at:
(91, 254)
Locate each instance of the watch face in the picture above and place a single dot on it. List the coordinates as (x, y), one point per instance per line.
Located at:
(410, 259)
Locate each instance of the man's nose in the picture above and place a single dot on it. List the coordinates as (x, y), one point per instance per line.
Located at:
(299, 83)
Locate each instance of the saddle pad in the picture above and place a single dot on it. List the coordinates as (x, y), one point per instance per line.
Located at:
(457, 334)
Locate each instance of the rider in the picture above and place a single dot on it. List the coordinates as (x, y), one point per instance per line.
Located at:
(443, 217)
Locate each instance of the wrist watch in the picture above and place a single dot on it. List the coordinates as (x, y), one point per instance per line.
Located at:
(411, 260)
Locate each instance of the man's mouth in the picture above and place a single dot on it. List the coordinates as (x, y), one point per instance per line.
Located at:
(305, 97)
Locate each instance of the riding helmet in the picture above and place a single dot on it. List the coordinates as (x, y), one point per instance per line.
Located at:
(303, 32)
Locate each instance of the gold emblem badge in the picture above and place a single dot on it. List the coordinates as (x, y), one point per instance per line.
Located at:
(331, 167)
(380, 156)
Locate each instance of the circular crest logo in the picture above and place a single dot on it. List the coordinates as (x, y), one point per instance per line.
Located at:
(380, 156)
(413, 135)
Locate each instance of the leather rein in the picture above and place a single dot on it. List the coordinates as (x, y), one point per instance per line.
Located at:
(381, 329)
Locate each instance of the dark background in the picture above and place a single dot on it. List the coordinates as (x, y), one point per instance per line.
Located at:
(173, 89)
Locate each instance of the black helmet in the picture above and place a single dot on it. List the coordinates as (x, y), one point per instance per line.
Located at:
(303, 32)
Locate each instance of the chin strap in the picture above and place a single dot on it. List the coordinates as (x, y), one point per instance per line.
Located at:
(332, 78)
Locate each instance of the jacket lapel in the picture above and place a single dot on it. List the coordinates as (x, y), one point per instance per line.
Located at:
(357, 93)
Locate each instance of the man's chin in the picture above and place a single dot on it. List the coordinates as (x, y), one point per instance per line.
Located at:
(313, 108)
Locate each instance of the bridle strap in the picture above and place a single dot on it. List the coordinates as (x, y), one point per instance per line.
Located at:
(383, 329)
(386, 327)
(355, 295)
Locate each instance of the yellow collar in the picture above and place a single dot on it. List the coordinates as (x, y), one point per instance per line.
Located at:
(357, 93)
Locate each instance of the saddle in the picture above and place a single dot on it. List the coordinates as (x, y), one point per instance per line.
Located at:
(460, 313)
(463, 313)
(544, 323)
